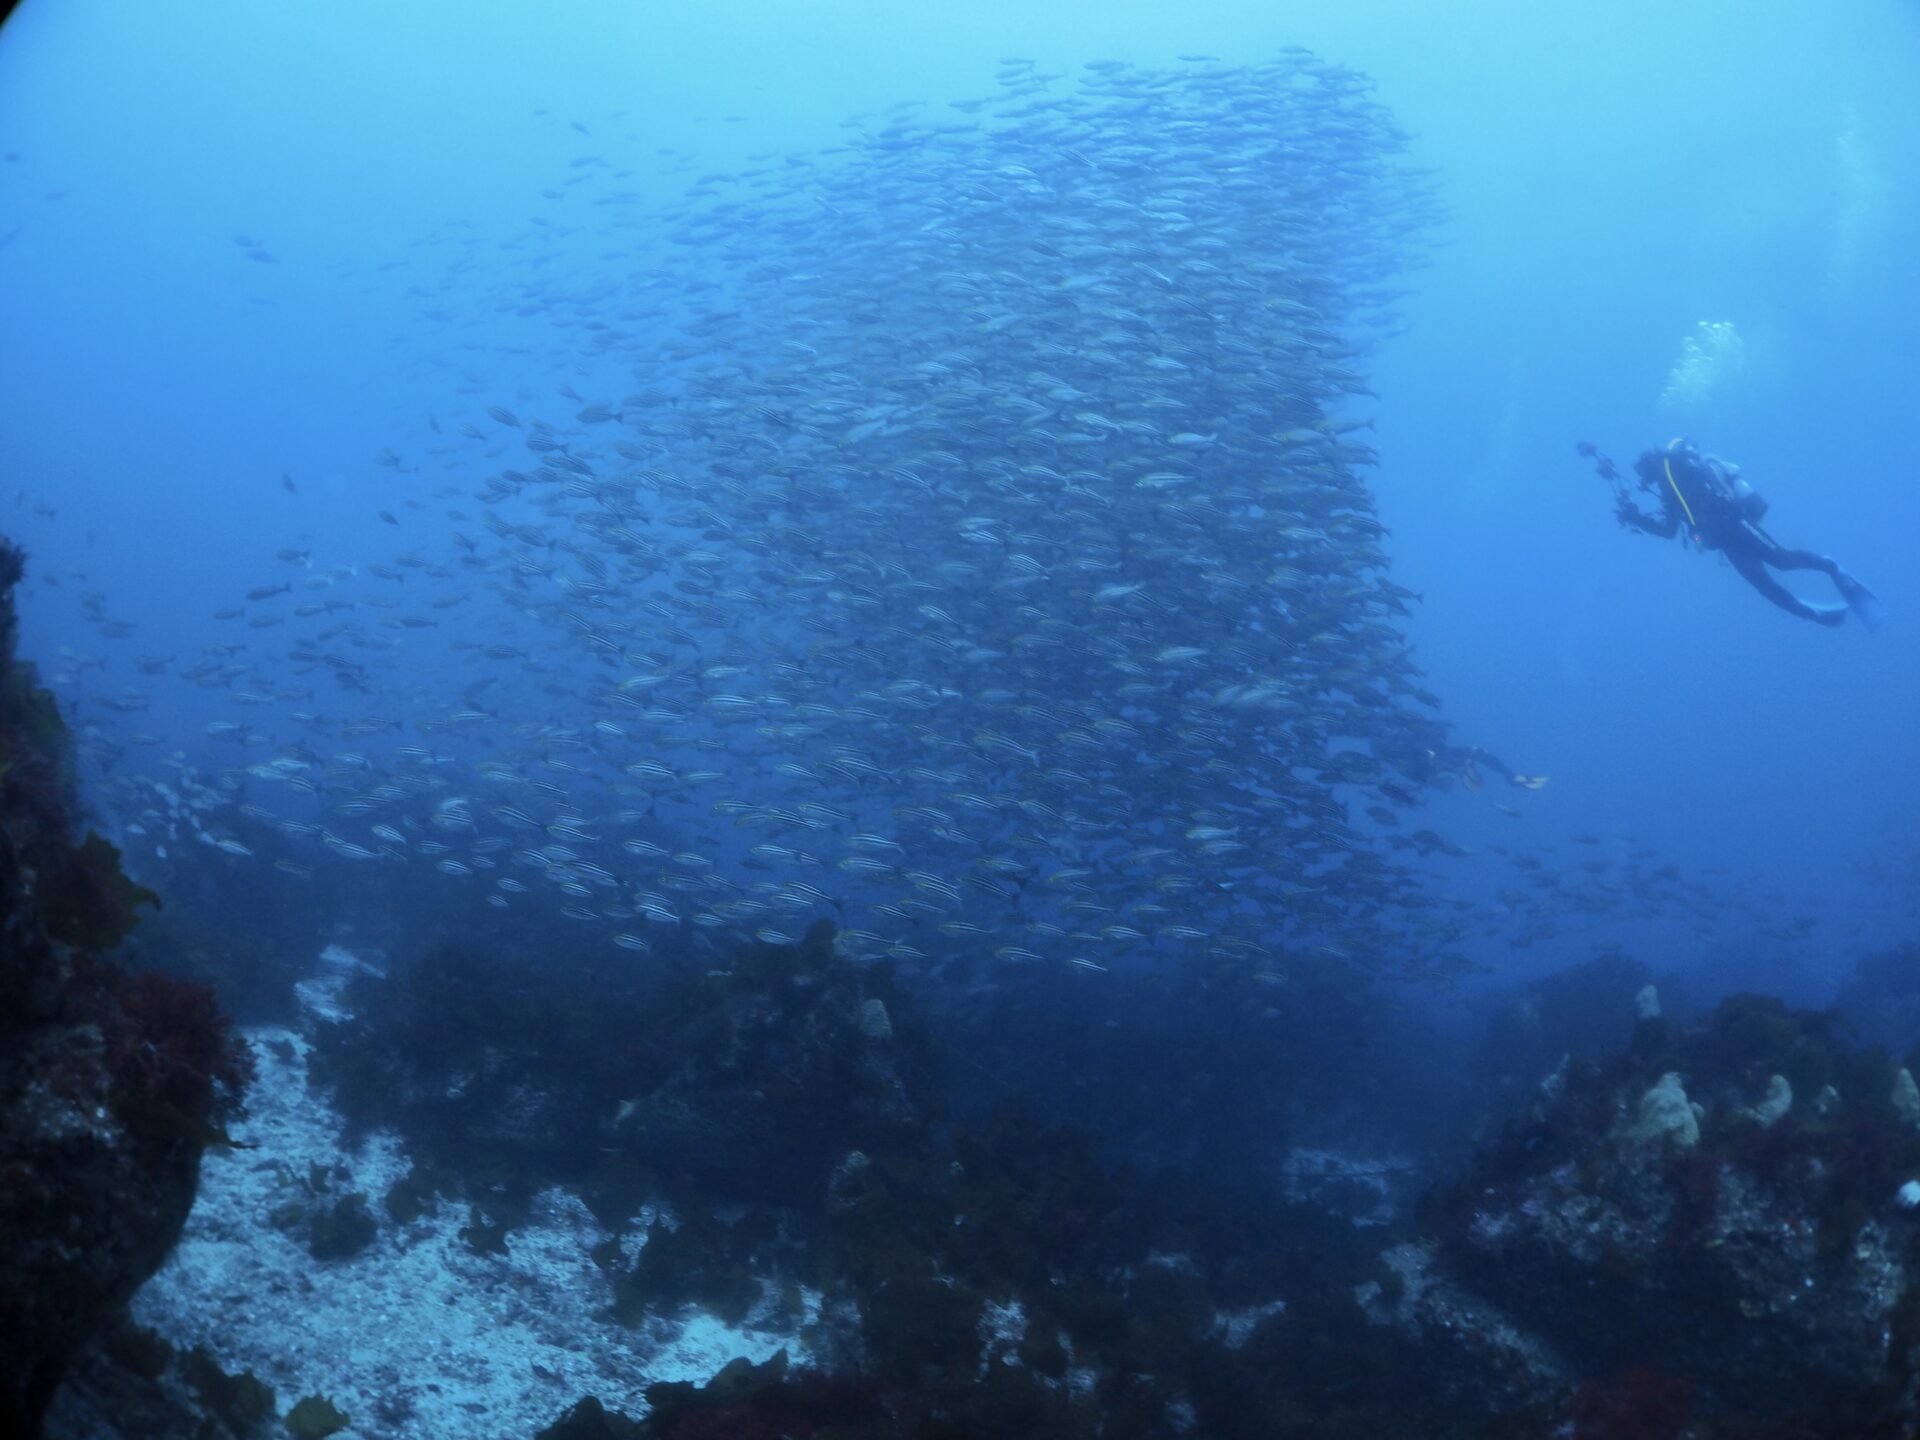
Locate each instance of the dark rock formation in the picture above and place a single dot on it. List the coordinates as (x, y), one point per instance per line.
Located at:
(785, 1074)
(751, 1082)
(109, 1085)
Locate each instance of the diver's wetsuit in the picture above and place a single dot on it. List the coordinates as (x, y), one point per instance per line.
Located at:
(1699, 493)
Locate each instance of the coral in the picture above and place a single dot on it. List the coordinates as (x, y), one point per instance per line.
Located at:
(170, 1044)
(1905, 1097)
(1665, 1114)
(1776, 1103)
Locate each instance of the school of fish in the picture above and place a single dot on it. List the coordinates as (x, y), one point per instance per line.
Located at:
(962, 533)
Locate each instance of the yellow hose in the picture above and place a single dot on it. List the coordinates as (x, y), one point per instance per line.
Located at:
(1692, 524)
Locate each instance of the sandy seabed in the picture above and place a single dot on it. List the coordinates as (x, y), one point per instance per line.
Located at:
(416, 1337)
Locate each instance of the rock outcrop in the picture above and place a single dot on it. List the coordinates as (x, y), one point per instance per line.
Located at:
(110, 1085)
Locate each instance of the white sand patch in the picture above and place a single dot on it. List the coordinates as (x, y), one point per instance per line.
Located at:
(416, 1337)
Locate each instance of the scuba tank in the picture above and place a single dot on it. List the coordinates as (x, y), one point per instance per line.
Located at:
(1748, 503)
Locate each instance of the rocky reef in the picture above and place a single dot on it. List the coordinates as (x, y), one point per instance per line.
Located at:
(1712, 1233)
(1706, 1233)
(1721, 1222)
(110, 1085)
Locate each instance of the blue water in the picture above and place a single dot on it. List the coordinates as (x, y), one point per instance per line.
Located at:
(1614, 175)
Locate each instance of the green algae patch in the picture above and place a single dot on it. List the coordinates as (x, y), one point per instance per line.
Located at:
(91, 904)
(238, 1401)
(314, 1418)
(343, 1231)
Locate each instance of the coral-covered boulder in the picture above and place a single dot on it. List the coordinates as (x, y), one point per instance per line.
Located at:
(1721, 1205)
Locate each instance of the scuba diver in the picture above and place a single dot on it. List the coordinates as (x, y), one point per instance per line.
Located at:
(1704, 498)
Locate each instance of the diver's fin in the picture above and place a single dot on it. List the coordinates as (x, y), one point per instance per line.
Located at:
(1865, 605)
